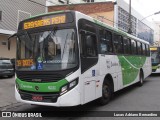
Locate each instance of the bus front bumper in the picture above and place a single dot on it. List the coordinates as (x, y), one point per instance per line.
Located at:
(156, 70)
(71, 98)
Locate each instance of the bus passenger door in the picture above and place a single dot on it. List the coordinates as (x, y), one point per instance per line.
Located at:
(89, 91)
(89, 59)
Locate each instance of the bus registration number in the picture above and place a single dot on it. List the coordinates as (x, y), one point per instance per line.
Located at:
(37, 98)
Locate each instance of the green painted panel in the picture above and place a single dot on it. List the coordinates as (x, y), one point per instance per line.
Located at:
(43, 87)
(130, 66)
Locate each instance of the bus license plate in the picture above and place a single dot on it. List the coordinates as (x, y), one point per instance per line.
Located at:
(37, 98)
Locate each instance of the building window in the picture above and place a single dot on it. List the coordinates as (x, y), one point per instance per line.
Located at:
(88, 0)
(4, 43)
(0, 15)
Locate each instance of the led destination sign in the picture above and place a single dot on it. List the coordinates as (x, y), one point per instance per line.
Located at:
(153, 48)
(44, 22)
(25, 63)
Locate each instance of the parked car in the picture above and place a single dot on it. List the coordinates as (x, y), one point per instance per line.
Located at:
(6, 67)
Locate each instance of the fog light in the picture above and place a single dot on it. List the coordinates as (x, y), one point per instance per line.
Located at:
(64, 89)
(69, 86)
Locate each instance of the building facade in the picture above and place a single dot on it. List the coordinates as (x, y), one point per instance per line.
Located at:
(103, 11)
(11, 13)
(156, 26)
(141, 29)
(115, 14)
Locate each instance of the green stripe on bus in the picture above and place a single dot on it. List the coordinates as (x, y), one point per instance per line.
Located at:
(130, 66)
(42, 87)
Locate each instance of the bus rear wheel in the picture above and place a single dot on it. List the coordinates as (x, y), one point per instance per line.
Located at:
(106, 93)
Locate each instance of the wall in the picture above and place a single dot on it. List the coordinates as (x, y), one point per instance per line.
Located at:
(4, 48)
(10, 18)
(106, 17)
(102, 10)
(10, 9)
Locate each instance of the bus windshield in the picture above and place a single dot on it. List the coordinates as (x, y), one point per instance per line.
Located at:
(47, 50)
(155, 57)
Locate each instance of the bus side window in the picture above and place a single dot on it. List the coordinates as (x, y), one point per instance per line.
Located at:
(91, 45)
(126, 45)
(117, 44)
(105, 42)
(143, 49)
(139, 47)
(88, 43)
(148, 50)
(133, 47)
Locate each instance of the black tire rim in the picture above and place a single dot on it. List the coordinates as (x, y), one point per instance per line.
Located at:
(106, 91)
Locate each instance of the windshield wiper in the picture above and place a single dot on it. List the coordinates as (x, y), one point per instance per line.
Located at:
(64, 45)
(53, 32)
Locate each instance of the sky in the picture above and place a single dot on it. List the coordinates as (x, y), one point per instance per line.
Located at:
(146, 8)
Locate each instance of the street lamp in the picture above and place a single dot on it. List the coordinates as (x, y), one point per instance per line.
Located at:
(151, 15)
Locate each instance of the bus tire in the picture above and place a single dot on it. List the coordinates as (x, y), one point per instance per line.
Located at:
(107, 91)
(140, 83)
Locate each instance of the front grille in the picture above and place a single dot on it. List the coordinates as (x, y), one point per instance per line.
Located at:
(47, 97)
(40, 77)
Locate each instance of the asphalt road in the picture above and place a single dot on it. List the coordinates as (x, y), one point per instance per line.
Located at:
(133, 98)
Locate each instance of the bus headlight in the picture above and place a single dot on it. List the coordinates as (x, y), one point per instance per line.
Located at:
(69, 86)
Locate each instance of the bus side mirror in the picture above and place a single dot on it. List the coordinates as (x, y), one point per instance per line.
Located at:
(9, 40)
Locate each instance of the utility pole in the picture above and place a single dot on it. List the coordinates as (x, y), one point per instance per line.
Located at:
(129, 20)
(67, 1)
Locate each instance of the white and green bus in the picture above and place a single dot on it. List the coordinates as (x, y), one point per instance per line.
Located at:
(155, 59)
(67, 58)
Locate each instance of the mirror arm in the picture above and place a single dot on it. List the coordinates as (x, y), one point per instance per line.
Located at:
(10, 40)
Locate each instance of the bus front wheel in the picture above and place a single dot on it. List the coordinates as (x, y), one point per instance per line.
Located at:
(106, 93)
